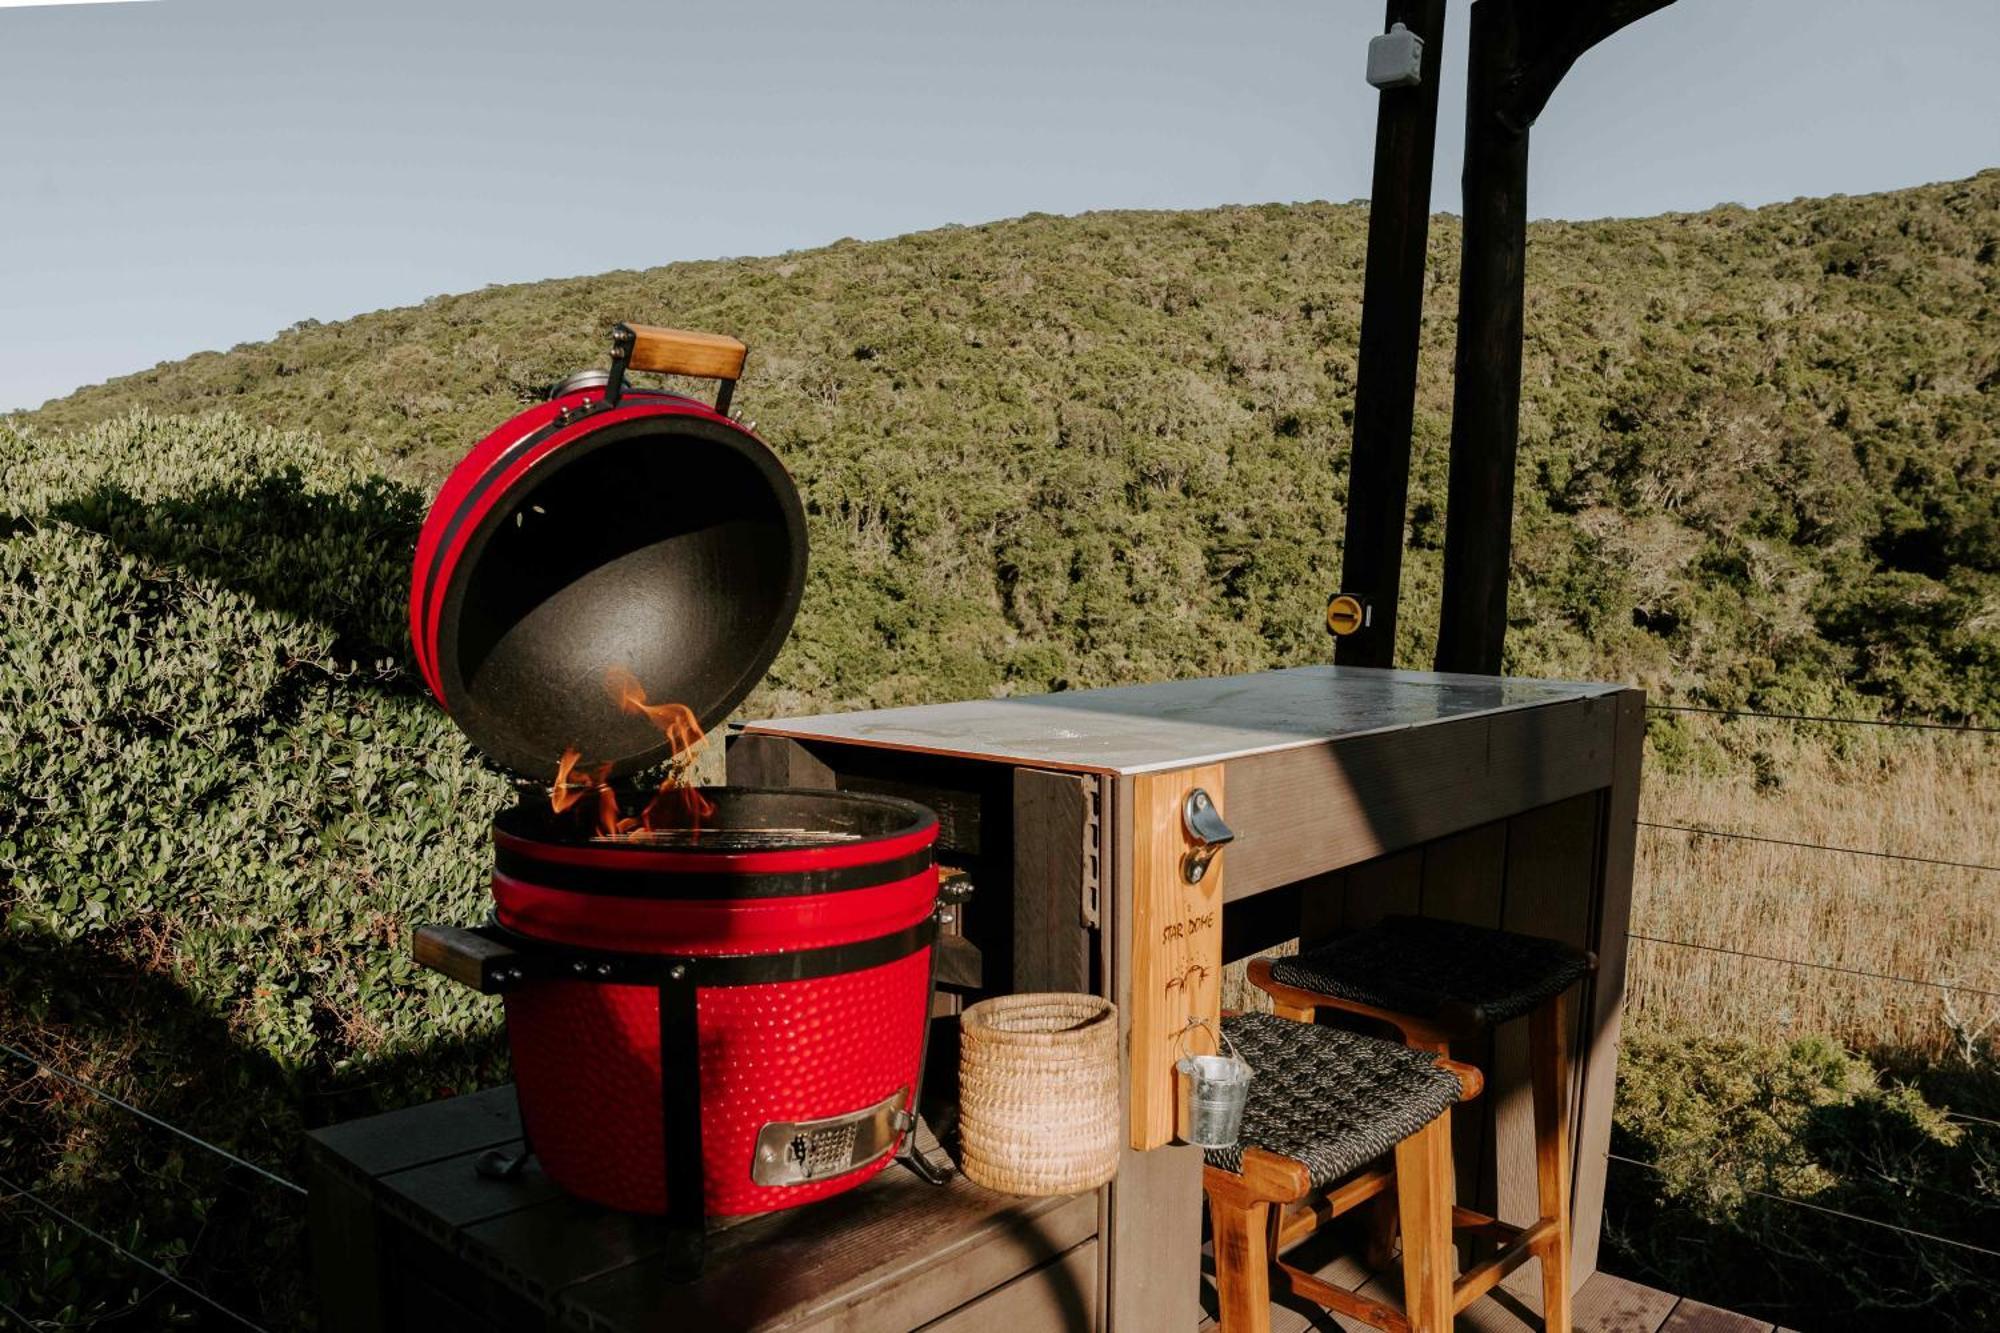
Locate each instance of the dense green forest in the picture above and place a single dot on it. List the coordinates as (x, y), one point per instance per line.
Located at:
(1760, 448)
(1761, 464)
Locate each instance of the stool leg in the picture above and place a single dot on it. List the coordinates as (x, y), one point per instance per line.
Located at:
(1443, 1049)
(1379, 1230)
(1241, 1227)
(1423, 1196)
(1549, 1069)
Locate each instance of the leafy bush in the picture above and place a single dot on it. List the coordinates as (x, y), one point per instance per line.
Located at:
(222, 807)
(1727, 1125)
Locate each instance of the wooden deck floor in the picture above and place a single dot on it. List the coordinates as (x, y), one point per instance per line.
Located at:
(1606, 1304)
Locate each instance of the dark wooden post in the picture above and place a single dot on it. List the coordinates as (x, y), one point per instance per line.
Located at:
(1486, 370)
(1392, 307)
(1519, 52)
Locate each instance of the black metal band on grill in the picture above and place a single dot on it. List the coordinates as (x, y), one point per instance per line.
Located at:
(680, 1115)
(610, 881)
(540, 960)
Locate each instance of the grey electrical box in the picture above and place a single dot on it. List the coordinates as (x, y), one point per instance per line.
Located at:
(1396, 59)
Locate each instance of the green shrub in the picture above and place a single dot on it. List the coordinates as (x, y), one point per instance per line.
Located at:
(222, 808)
(1725, 1125)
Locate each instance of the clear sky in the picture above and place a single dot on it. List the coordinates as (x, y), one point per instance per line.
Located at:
(191, 174)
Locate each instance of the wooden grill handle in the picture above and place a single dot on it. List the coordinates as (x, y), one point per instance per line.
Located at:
(466, 956)
(709, 356)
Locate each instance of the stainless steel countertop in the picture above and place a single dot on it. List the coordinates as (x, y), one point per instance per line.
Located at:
(1181, 723)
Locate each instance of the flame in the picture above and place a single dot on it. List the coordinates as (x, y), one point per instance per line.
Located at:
(571, 786)
(675, 721)
(674, 805)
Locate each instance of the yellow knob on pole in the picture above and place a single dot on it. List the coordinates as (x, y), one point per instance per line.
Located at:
(1345, 614)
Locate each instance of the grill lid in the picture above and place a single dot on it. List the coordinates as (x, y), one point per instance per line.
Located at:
(607, 531)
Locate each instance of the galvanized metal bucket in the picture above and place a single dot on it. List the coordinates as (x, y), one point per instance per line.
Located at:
(1210, 1091)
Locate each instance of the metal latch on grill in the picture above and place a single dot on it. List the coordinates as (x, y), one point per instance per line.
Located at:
(793, 1152)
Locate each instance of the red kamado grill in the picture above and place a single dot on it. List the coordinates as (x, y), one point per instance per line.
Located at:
(711, 1020)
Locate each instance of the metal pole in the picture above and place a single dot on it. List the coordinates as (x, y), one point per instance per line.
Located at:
(1392, 307)
(1486, 371)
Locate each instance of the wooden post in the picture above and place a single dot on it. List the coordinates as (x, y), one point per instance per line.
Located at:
(1603, 1003)
(1486, 370)
(1153, 1277)
(1392, 307)
(1519, 52)
(1176, 944)
(1054, 844)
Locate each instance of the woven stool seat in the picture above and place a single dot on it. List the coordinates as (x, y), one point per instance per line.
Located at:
(1333, 1100)
(1415, 965)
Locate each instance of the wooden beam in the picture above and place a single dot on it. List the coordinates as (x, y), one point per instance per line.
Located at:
(1555, 35)
(1392, 308)
(1519, 52)
(466, 956)
(1464, 881)
(1486, 368)
(1483, 1277)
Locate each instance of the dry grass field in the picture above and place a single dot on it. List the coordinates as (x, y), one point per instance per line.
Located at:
(1914, 793)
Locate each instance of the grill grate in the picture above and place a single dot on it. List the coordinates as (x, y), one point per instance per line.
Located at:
(728, 840)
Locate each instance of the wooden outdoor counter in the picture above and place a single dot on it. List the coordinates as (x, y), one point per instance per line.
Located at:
(1351, 792)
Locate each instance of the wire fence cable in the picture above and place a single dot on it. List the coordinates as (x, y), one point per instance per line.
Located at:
(18, 1317)
(1806, 962)
(1831, 1212)
(1814, 717)
(1822, 847)
(150, 1118)
(1975, 1119)
(146, 1264)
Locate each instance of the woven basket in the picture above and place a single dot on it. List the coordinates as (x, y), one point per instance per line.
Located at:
(1038, 1093)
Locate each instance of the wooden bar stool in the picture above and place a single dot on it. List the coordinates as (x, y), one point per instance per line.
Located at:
(1439, 981)
(1324, 1103)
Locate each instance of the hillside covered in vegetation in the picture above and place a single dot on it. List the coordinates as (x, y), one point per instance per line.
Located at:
(1759, 466)
(1760, 448)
